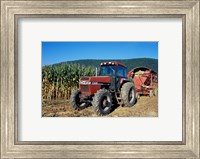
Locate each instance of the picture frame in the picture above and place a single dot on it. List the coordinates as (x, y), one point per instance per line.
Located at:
(12, 10)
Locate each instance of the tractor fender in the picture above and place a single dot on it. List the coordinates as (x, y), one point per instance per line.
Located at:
(125, 80)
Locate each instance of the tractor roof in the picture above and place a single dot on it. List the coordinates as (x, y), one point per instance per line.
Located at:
(112, 63)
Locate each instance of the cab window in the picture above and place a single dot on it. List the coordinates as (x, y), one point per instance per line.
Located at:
(107, 70)
(121, 71)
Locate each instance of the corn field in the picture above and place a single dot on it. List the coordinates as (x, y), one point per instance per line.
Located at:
(58, 81)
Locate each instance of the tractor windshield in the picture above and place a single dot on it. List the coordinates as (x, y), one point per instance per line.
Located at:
(107, 70)
(121, 71)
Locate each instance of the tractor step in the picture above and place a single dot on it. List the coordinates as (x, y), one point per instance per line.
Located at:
(120, 101)
(119, 98)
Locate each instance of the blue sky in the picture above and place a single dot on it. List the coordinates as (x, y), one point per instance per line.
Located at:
(55, 52)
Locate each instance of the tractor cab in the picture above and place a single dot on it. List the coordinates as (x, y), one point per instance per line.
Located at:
(117, 72)
(113, 69)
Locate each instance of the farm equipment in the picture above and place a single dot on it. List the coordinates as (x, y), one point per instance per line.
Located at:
(145, 80)
(101, 91)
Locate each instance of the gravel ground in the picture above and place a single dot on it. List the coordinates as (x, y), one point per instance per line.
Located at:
(145, 107)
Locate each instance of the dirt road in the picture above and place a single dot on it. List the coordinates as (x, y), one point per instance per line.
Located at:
(145, 107)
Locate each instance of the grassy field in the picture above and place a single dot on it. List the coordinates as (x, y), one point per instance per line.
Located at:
(145, 107)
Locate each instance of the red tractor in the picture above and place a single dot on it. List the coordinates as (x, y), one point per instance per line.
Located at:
(101, 91)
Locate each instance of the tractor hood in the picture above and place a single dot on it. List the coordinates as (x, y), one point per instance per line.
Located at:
(89, 85)
(101, 79)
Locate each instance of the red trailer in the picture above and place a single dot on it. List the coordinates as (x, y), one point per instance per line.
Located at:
(145, 80)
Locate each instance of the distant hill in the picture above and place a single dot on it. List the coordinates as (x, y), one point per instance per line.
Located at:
(130, 63)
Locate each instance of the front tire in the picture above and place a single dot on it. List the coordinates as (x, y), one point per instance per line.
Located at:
(75, 101)
(128, 93)
(102, 102)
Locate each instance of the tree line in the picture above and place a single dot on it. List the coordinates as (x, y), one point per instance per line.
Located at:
(130, 63)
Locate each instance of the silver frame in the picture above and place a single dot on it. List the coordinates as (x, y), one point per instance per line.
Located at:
(12, 10)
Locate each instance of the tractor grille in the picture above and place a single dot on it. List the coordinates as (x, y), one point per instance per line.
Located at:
(84, 88)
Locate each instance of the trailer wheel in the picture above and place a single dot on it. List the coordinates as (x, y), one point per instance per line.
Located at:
(138, 95)
(102, 102)
(75, 101)
(155, 92)
(128, 94)
(151, 93)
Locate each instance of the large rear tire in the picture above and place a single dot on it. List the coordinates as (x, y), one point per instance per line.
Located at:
(102, 102)
(75, 101)
(128, 93)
